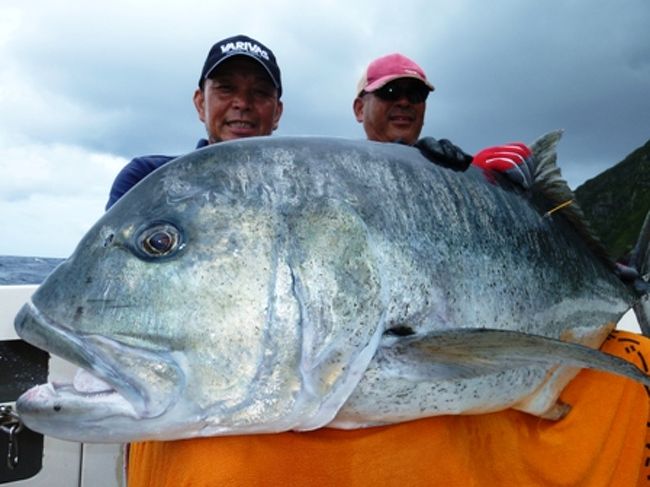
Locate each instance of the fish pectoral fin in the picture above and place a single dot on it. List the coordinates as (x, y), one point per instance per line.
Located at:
(464, 353)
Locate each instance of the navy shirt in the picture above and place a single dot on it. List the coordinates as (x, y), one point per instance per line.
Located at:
(136, 170)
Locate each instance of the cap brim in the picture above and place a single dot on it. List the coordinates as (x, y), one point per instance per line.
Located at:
(239, 53)
(375, 85)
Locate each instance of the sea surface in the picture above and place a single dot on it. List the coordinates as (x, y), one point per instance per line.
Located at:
(25, 270)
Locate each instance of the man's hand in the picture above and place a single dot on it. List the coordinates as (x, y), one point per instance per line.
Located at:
(444, 153)
(515, 161)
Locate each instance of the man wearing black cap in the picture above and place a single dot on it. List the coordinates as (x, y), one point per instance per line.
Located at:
(238, 96)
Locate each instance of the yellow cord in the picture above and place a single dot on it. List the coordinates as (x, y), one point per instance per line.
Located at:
(558, 207)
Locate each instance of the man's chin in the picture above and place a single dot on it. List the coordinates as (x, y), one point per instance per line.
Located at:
(404, 138)
(404, 133)
(239, 133)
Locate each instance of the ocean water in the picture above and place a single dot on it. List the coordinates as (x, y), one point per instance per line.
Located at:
(25, 270)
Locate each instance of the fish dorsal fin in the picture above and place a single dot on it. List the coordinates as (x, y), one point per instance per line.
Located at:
(548, 182)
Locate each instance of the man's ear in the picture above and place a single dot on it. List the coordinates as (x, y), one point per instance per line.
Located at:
(357, 106)
(277, 115)
(199, 103)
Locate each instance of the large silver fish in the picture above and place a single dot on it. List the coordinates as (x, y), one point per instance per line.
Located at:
(275, 284)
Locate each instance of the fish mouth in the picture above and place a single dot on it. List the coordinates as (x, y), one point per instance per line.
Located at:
(115, 379)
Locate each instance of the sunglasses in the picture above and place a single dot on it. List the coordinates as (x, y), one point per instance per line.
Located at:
(392, 92)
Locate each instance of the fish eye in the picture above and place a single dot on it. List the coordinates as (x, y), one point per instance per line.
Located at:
(159, 240)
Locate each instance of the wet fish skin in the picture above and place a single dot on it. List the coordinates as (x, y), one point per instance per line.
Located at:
(259, 285)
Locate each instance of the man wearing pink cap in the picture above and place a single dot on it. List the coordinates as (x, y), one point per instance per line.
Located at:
(391, 102)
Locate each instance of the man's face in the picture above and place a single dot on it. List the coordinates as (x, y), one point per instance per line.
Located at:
(393, 120)
(238, 100)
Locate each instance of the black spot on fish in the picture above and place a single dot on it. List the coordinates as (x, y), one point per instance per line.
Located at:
(57, 408)
(108, 240)
(78, 313)
(400, 331)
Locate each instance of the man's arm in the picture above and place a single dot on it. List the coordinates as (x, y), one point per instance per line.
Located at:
(132, 173)
(444, 153)
(513, 160)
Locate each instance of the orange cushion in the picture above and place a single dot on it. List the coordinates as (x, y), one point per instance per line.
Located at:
(601, 442)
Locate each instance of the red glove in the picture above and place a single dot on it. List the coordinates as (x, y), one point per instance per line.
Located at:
(515, 161)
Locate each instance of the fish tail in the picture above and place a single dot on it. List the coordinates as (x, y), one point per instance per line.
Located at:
(640, 260)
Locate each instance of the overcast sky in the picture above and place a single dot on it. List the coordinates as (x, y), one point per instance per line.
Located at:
(84, 88)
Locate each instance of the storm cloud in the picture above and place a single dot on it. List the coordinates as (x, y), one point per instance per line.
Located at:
(84, 88)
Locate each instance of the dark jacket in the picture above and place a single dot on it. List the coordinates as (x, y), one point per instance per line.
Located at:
(136, 170)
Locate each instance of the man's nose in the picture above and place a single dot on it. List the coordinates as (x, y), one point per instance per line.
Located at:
(242, 99)
(403, 100)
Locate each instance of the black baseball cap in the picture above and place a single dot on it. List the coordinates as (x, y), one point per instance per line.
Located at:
(242, 45)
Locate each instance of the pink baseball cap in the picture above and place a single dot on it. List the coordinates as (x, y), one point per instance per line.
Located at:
(387, 68)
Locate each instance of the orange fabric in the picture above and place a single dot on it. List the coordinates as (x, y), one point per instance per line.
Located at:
(601, 442)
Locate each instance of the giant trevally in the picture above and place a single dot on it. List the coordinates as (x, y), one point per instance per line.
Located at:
(274, 284)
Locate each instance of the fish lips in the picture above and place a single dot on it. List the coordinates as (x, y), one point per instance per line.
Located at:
(144, 383)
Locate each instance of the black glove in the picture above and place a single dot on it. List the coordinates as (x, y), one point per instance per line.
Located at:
(444, 153)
